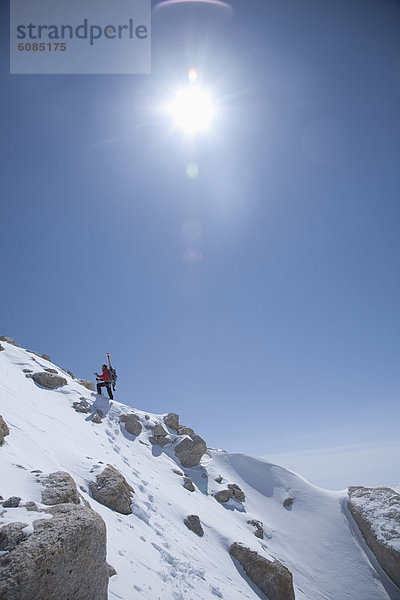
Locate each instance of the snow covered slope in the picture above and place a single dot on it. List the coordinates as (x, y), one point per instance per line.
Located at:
(153, 552)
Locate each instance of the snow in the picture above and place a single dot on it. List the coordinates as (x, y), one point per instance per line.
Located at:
(154, 554)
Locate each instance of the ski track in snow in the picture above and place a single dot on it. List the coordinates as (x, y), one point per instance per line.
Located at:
(154, 554)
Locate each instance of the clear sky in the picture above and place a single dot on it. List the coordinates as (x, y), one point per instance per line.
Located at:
(259, 300)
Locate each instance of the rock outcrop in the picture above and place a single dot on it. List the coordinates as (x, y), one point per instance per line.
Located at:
(60, 488)
(11, 535)
(188, 484)
(172, 421)
(132, 423)
(159, 437)
(64, 558)
(288, 502)
(377, 514)
(272, 578)
(237, 492)
(3, 429)
(89, 385)
(1, 348)
(4, 338)
(223, 496)
(12, 502)
(45, 356)
(259, 532)
(82, 406)
(48, 380)
(192, 522)
(112, 490)
(190, 450)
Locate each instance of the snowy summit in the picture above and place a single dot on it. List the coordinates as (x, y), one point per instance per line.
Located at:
(100, 500)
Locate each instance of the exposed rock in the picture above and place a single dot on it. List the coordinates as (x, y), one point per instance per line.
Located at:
(3, 429)
(51, 371)
(178, 472)
(172, 421)
(12, 502)
(159, 430)
(97, 418)
(89, 385)
(259, 533)
(218, 479)
(160, 440)
(111, 571)
(45, 356)
(32, 506)
(272, 578)
(11, 535)
(27, 371)
(132, 423)
(190, 450)
(1, 348)
(183, 430)
(82, 406)
(377, 514)
(147, 417)
(64, 558)
(48, 380)
(60, 488)
(237, 492)
(4, 338)
(288, 502)
(192, 522)
(70, 373)
(112, 490)
(188, 484)
(223, 495)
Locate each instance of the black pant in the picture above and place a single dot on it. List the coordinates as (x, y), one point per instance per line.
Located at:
(108, 386)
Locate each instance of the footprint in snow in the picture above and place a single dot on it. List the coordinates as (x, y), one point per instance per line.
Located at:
(216, 591)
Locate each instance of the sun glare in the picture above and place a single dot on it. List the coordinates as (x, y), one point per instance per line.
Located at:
(192, 109)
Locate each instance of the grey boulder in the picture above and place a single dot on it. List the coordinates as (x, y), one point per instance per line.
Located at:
(60, 488)
(236, 491)
(3, 429)
(172, 421)
(190, 450)
(159, 440)
(132, 423)
(112, 490)
(272, 578)
(377, 514)
(259, 532)
(12, 502)
(188, 484)
(64, 558)
(82, 406)
(48, 380)
(192, 522)
(1, 348)
(11, 535)
(89, 385)
(223, 496)
(4, 338)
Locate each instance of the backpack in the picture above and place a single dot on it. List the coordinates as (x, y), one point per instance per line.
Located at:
(113, 376)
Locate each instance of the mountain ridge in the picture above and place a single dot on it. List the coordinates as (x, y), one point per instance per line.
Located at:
(151, 549)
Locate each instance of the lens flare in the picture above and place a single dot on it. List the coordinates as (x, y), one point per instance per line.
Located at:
(192, 170)
(193, 75)
(192, 109)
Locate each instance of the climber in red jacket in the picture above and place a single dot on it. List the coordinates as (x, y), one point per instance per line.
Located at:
(104, 380)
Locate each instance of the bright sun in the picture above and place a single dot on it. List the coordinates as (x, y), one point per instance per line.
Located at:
(192, 109)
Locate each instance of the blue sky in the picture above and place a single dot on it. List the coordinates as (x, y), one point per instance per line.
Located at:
(284, 337)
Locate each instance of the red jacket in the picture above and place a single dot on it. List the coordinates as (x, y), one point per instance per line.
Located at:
(105, 376)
